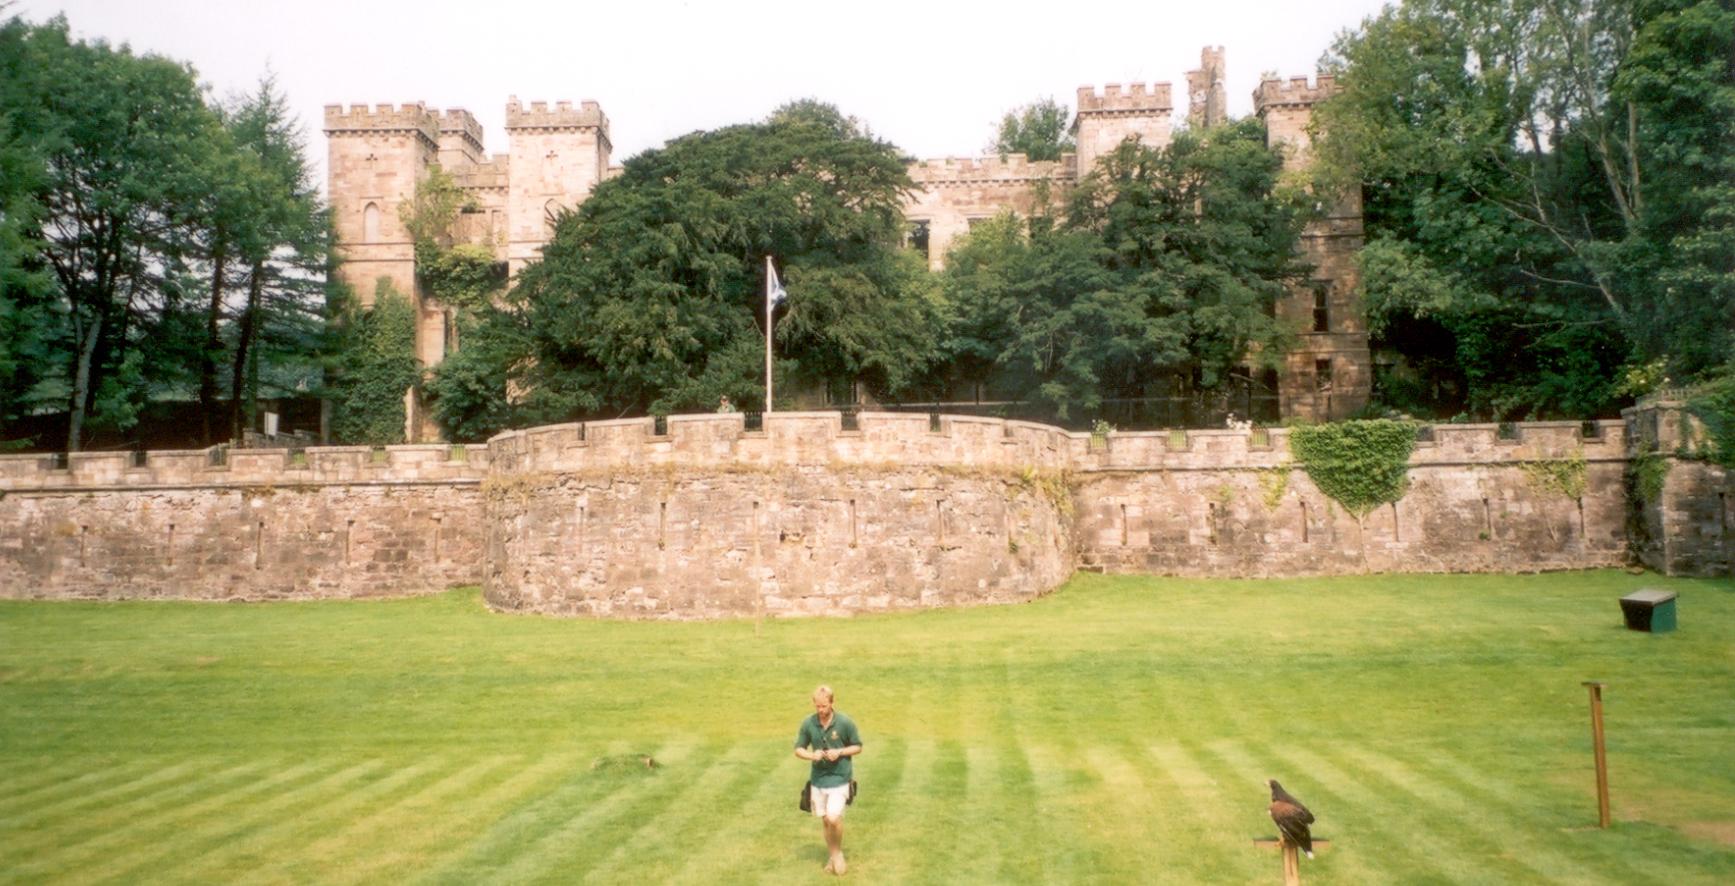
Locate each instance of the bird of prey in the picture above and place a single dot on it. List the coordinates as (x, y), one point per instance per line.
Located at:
(1292, 818)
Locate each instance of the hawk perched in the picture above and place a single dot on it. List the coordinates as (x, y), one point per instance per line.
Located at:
(1292, 818)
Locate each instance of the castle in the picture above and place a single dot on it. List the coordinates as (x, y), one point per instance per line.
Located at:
(557, 155)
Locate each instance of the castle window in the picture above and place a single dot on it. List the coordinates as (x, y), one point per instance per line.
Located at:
(973, 222)
(1322, 376)
(551, 213)
(1321, 309)
(370, 223)
(917, 238)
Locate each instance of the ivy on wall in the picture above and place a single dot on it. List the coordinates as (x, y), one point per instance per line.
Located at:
(1359, 464)
(376, 363)
(1565, 476)
(1649, 471)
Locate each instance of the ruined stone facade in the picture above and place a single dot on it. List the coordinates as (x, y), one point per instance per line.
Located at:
(700, 517)
(557, 155)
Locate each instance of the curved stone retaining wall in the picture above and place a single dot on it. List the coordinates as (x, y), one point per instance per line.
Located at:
(806, 516)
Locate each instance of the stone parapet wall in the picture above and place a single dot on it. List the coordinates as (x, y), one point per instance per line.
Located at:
(808, 515)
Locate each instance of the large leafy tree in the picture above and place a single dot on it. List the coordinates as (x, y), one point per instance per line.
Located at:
(26, 313)
(651, 295)
(121, 138)
(150, 240)
(1038, 130)
(1164, 274)
(1540, 181)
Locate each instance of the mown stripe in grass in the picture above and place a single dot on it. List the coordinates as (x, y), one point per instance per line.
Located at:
(1472, 822)
(1068, 792)
(158, 822)
(516, 847)
(637, 844)
(423, 839)
(755, 814)
(1537, 806)
(68, 833)
(71, 797)
(1020, 833)
(887, 843)
(1244, 768)
(261, 850)
(1403, 839)
(31, 778)
(201, 841)
(1196, 830)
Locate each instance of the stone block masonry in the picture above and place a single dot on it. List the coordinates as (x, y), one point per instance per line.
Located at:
(805, 518)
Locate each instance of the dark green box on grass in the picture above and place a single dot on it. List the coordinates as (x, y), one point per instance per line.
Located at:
(1649, 610)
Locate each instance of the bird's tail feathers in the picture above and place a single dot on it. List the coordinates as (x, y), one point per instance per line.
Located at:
(1310, 853)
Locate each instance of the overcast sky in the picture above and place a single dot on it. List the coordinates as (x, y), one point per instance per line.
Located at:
(931, 77)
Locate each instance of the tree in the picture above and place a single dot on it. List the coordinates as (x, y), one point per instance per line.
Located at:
(26, 313)
(1537, 179)
(1038, 130)
(120, 137)
(1165, 271)
(374, 364)
(282, 247)
(651, 295)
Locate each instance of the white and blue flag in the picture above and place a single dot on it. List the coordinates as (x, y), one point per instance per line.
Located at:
(774, 294)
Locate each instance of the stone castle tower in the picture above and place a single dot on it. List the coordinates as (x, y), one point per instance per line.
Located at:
(377, 157)
(558, 155)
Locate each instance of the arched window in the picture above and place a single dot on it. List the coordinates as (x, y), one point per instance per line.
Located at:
(551, 213)
(370, 223)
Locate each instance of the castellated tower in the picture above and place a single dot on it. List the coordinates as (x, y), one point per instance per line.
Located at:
(1207, 102)
(558, 155)
(1329, 374)
(376, 157)
(1106, 120)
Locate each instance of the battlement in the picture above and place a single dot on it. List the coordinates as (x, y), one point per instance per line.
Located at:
(877, 439)
(459, 122)
(493, 173)
(1011, 168)
(1294, 92)
(244, 467)
(1135, 98)
(588, 115)
(359, 119)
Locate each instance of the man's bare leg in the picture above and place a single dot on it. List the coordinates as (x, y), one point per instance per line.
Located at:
(834, 844)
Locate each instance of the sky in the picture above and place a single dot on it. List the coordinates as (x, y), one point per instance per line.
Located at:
(933, 78)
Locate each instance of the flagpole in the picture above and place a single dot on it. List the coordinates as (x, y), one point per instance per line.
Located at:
(769, 307)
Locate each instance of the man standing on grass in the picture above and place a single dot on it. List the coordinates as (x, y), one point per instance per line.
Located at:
(829, 739)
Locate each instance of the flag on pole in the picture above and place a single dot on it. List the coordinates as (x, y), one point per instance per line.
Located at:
(774, 294)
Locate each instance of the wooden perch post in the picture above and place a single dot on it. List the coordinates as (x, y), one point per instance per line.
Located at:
(1291, 855)
(1601, 753)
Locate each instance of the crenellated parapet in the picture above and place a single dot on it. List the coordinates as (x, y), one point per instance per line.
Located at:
(563, 117)
(359, 120)
(243, 468)
(1010, 169)
(1132, 99)
(461, 124)
(1296, 92)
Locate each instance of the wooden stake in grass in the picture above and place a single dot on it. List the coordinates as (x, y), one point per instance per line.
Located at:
(1601, 753)
(1291, 855)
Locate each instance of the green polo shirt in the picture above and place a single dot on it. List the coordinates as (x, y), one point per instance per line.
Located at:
(841, 734)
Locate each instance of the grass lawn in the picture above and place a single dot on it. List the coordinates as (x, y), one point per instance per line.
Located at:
(1118, 731)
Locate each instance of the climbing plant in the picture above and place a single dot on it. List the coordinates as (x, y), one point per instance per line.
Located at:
(1649, 471)
(1565, 476)
(1359, 464)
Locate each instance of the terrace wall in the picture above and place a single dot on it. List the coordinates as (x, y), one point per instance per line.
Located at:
(806, 517)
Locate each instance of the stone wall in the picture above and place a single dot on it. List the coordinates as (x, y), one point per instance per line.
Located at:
(1218, 503)
(263, 524)
(695, 516)
(1689, 528)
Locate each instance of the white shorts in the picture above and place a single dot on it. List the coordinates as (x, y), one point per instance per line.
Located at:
(828, 802)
